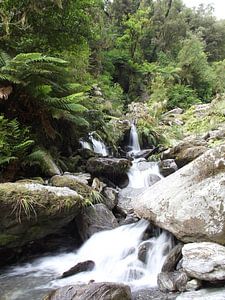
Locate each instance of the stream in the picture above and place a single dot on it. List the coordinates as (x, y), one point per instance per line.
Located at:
(115, 252)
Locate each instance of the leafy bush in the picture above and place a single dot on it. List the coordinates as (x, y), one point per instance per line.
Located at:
(182, 96)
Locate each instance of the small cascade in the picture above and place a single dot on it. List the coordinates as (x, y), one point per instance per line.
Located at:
(143, 174)
(134, 142)
(98, 146)
(115, 253)
(95, 145)
(85, 145)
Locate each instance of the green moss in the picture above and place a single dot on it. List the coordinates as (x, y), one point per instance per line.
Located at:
(6, 239)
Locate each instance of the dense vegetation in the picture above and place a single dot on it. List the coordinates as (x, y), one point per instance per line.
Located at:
(67, 67)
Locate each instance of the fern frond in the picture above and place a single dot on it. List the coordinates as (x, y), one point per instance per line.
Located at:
(37, 57)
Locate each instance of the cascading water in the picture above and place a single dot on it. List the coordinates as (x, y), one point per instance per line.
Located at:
(115, 253)
(140, 177)
(96, 145)
(85, 145)
(134, 141)
(99, 146)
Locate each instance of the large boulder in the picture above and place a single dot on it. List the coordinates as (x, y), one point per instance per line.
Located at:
(186, 151)
(94, 219)
(204, 261)
(92, 291)
(30, 211)
(114, 169)
(191, 202)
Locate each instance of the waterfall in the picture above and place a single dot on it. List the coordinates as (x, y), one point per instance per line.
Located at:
(115, 253)
(98, 146)
(85, 145)
(134, 142)
(140, 177)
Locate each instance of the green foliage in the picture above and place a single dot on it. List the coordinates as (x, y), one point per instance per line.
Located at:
(195, 70)
(218, 76)
(181, 96)
(14, 141)
(158, 98)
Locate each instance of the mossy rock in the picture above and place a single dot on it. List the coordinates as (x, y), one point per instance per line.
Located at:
(71, 182)
(30, 211)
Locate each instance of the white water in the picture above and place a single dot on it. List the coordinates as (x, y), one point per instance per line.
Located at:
(96, 145)
(85, 145)
(134, 142)
(139, 177)
(115, 253)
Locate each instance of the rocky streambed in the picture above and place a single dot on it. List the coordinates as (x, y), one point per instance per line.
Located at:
(111, 253)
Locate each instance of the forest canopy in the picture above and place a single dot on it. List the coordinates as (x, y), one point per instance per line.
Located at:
(55, 55)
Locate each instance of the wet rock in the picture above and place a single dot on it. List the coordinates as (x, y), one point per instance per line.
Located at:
(110, 197)
(172, 281)
(152, 294)
(193, 285)
(143, 250)
(94, 219)
(92, 291)
(146, 153)
(111, 168)
(172, 259)
(191, 202)
(186, 151)
(84, 266)
(167, 167)
(129, 219)
(204, 294)
(204, 261)
(30, 211)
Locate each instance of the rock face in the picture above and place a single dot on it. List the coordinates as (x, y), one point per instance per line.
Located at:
(92, 291)
(94, 219)
(204, 261)
(111, 168)
(30, 211)
(191, 202)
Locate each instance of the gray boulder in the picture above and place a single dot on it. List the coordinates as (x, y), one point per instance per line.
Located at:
(191, 202)
(204, 261)
(92, 291)
(172, 259)
(172, 281)
(94, 219)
